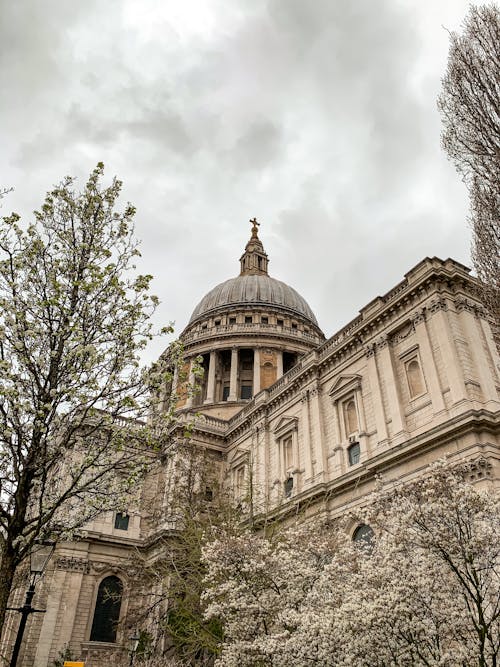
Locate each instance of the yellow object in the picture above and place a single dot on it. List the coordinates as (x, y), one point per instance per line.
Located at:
(69, 663)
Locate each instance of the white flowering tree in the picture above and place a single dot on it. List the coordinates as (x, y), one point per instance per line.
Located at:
(426, 591)
(74, 318)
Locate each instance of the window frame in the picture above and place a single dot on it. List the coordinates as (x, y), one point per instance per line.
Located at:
(119, 615)
(119, 518)
(410, 358)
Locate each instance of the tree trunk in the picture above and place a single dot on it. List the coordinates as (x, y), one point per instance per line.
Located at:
(7, 570)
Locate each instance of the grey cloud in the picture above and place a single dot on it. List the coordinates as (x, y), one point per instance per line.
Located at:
(302, 113)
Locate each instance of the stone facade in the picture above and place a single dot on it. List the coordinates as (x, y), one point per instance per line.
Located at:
(309, 422)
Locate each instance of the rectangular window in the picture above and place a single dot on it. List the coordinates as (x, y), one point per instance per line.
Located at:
(264, 320)
(288, 487)
(354, 454)
(294, 325)
(121, 521)
(217, 323)
(232, 320)
(279, 322)
(246, 391)
(225, 393)
(248, 319)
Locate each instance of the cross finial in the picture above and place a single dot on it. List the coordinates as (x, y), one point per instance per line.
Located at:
(254, 228)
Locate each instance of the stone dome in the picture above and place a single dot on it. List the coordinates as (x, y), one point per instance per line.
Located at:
(256, 290)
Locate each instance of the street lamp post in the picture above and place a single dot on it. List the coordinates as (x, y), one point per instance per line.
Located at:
(134, 643)
(39, 557)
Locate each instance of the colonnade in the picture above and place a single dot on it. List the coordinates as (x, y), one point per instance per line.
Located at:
(211, 376)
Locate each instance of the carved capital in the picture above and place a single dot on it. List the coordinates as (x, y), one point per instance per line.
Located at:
(382, 342)
(418, 317)
(437, 304)
(370, 350)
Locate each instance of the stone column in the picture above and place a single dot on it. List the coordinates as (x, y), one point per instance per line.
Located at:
(478, 353)
(306, 437)
(211, 378)
(429, 367)
(279, 358)
(446, 341)
(256, 371)
(319, 451)
(391, 385)
(190, 385)
(233, 378)
(378, 405)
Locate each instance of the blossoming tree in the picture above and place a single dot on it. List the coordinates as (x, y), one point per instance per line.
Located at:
(425, 591)
(73, 321)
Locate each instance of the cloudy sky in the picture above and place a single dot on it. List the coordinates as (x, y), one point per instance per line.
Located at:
(317, 116)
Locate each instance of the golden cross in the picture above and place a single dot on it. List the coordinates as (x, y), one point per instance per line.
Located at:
(255, 225)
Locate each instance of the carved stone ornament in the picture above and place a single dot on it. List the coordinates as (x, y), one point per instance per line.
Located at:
(370, 350)
(99, 566)
(474, 308)
(72, 564)
(418, 317)
(437, 304)
(382, 342)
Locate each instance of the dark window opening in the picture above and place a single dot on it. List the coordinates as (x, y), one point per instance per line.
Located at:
(107, 610)
(209, 494)
(232, 320)
(248, 319)
(288, 487)
(354, 453)
(121, 521)
(246, 360)
(204, 326)
(264, 320)
(225, 393)
(217, 323)
(364, 536)
(294, 325)
(279, 322)
(246, 391)
(289, 361)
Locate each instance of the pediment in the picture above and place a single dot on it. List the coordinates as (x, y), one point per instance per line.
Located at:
(344, 384)
(286, 424)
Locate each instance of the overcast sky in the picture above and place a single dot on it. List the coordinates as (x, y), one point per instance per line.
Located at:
(317, 116)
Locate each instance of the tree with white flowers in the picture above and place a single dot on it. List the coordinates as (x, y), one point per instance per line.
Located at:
(425, 591)
(74, 318)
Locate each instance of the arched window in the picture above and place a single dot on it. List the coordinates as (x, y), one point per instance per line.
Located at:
(107, 610)
(351, 417)
(415, 379)
(364, 536)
